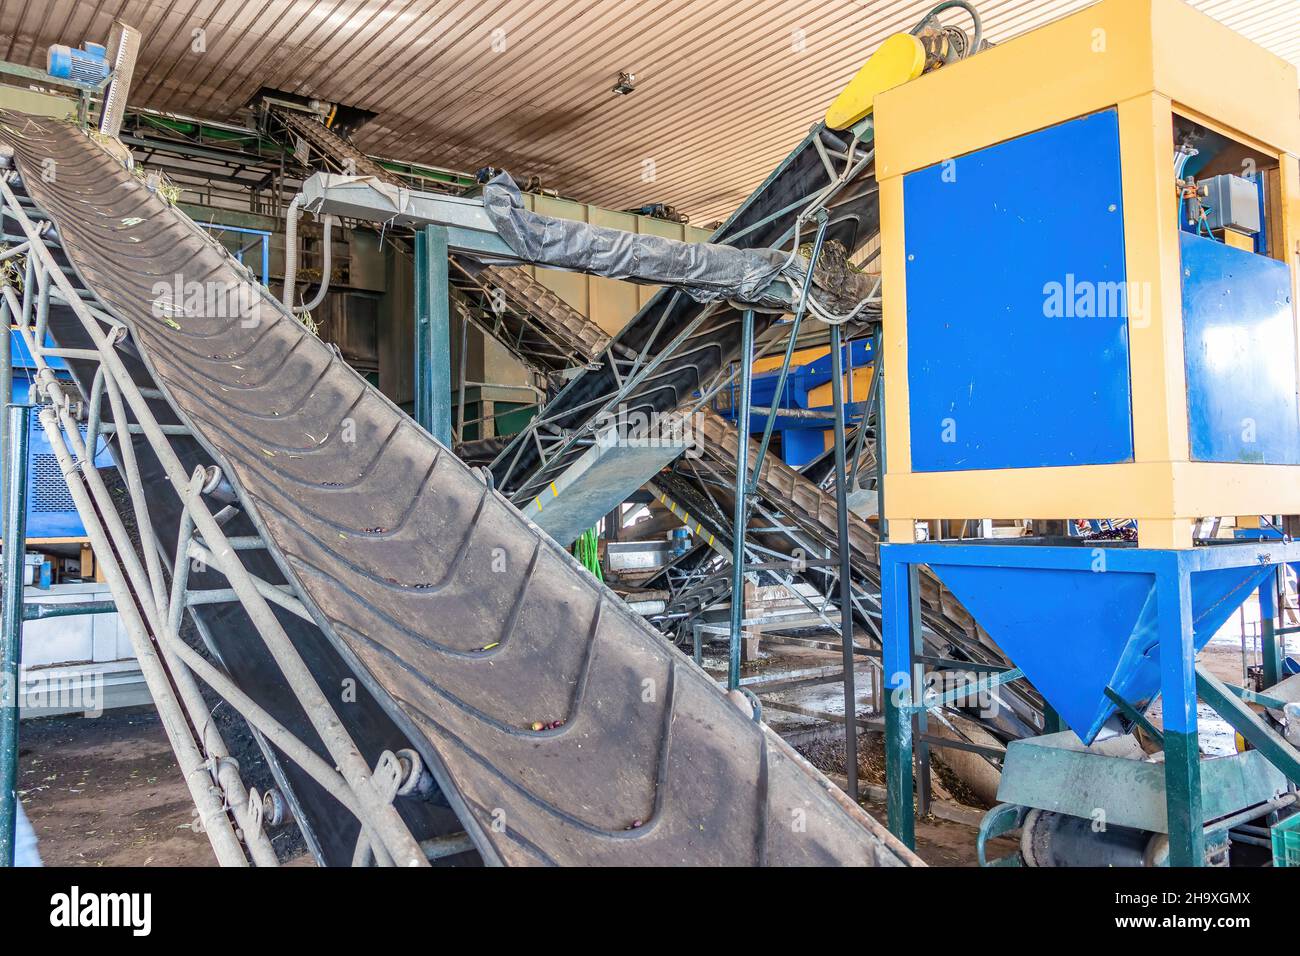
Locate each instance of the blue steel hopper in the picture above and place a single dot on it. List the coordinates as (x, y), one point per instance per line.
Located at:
(1076, 633)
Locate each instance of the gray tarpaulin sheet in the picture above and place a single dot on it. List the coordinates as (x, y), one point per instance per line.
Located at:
(705, 271)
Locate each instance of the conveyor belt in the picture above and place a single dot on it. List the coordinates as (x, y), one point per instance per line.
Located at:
(538, 327)
(675, 345)
(467, 623)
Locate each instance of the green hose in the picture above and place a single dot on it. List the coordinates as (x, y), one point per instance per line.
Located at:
(586, 550)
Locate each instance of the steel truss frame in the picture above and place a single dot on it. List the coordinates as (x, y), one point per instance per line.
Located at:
(151, 608)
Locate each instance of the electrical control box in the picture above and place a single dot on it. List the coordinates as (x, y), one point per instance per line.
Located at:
(1234, 203)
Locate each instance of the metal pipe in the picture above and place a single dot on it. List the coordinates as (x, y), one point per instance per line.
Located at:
(1252, 813)
(378, 813)
(846, 583)
(15, 536)
(250, 823)
(740, 513)
(823, 221)
(43, 612)
(873, 391)
(464, 355)
(878, 380)
(276, 595)
(805, 414)
(189, 698)
(136, 492)
(189, 757)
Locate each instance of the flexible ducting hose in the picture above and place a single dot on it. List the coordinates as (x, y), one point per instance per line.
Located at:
(291, 260)
(290, 251)
(324, 272)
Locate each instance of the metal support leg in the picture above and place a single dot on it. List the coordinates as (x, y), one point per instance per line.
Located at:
(6, 396)
(1250, 725)
(896, 614)
(778, 396)
(921, 727)
(1270, 646)
(432, 334)
(879, 381)
(846, 581)
(739, 520)
(15, 534)
(460, 380)
(1178, 693)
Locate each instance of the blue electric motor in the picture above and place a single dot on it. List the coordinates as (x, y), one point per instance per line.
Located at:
(87, 65)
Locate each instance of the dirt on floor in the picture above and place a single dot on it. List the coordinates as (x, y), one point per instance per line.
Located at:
(939, 842)
(106, 791)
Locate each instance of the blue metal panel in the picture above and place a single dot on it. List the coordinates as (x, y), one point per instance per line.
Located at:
(1017, 331)
(1240, 347)
(800, 445)
(801, 438)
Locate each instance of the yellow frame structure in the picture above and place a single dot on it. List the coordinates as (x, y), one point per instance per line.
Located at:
(1147, 59)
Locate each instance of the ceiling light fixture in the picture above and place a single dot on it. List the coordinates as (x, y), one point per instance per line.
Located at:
(626, 83)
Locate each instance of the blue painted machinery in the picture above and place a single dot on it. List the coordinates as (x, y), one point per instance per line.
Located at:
(87, 64)
(805, 401)
(1090, 315)
(51, 514)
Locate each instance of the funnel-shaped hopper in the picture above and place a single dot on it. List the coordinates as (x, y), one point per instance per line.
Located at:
(1076, 632)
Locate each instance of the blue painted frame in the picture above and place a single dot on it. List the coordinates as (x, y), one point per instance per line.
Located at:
(265, 235)
(1172, 571)
(1239, 346)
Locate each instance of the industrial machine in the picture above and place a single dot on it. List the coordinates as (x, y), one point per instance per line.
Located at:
(1087, 272)
(1090, 264)
(802, 412)
(264, 541)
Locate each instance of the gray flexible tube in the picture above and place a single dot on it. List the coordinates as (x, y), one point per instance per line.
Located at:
(291, 260)
(290, 251)
(324, 272)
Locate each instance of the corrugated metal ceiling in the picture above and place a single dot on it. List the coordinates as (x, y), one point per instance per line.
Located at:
(724, 87)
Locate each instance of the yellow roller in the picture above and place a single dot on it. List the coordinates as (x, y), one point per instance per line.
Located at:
(899, 59)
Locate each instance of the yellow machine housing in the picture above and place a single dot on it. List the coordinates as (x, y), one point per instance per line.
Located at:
(1145, 61)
